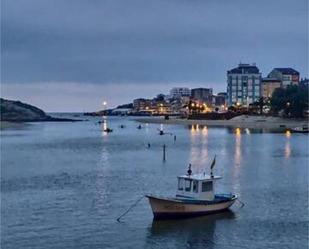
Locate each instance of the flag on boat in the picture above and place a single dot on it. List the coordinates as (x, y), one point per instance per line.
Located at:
(213, 163)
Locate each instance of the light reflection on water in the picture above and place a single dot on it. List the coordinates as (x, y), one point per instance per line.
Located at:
(287, 150)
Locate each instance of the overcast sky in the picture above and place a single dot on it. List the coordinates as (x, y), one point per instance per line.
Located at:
(70, 55)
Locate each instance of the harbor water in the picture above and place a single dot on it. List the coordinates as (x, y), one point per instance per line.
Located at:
(63, 185)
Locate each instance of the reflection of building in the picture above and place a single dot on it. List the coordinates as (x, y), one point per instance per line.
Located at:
(288, 76)
(243, 84)
(202, 95)
(178, 92)
(269, 85)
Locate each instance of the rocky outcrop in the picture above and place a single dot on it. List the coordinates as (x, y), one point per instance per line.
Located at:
(16, 111)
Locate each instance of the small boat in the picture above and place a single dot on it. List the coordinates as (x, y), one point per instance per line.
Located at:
(300, 129)
(195, 197)
(122, 126)
(139, 127)
(108, 130)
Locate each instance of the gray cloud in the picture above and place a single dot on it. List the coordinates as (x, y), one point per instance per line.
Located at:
(149, 41)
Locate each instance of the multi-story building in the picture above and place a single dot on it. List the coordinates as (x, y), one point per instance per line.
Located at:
(269, 85)
(220, 99)
(178, 92)
(288, 76)
(141, 104)
(202, 95)
(243, 84)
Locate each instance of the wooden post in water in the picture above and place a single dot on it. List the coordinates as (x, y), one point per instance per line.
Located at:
(164, 152)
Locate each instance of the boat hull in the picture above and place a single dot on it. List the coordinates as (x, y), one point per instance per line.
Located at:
(169, 208)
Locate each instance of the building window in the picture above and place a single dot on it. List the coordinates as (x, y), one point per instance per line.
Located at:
(244, 78)
(188, 185)
(206, 186)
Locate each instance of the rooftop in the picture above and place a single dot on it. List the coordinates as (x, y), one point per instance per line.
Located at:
(200, 177)
(287, 70)
(270, 80)
(245, 69)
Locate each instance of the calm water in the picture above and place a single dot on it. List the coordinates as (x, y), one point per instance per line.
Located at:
(64, 184)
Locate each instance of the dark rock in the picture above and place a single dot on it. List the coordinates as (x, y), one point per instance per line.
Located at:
(16, 111)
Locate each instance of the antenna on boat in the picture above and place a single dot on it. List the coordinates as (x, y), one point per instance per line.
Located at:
(189, 170)
(212, 166)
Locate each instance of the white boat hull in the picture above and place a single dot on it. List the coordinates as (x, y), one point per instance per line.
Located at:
(174, 208)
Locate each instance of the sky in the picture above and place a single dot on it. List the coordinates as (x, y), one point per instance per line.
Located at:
(71, 55)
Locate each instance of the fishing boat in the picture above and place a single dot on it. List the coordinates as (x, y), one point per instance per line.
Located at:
(300, 129)
(195, 197)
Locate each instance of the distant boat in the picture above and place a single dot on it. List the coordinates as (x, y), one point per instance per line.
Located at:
(161, 133)
(300, 129)
(139, 127)
(195, 197)
(122, 126)
(108, 130)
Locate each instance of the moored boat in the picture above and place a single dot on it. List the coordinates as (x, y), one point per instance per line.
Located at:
(195, 197)
(300, 129)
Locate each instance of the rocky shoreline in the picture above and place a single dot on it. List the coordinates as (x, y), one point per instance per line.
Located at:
(17, 112)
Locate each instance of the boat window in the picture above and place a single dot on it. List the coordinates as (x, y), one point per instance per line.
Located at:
(195, 186)
(180, 184)
(206, 186)
(188, 185)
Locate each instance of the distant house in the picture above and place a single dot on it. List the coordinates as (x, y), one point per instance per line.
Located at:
(269, 85)
(287, 76)
(122, 111)
(141, 105)
(304, 82)
(178, 92)
(202, 95)
(219, 99)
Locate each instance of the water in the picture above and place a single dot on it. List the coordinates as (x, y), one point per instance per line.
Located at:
(64, 184)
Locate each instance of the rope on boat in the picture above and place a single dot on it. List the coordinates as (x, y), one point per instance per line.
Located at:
(132, 206)
(242, 204)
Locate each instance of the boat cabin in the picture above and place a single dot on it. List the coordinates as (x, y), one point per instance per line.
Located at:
(197, 186)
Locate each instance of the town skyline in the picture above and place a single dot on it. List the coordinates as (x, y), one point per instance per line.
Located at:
(108, 98)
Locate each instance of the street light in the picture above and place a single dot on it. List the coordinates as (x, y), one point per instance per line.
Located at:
(104, 103)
